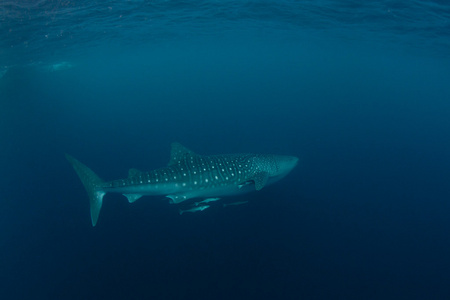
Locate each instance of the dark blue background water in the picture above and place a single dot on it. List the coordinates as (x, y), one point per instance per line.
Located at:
(360, 92)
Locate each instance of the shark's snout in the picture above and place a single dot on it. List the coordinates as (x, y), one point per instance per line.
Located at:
(285, 164)
(289, 162)
(294, 160)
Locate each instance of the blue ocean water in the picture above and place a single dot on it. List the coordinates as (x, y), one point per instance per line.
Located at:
(358, 90)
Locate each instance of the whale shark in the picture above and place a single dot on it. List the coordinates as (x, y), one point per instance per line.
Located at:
(187, 176)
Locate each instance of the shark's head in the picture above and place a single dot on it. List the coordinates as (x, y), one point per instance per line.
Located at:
(284, 164)
(276, 166)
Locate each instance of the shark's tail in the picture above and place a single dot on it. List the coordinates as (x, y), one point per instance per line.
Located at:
(92, 184)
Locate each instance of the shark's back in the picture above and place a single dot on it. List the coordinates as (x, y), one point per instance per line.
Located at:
(215, 170)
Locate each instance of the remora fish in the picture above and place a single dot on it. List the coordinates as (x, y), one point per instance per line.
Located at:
(193, 209)
(206, 201)
(235, 203)
(189, 175)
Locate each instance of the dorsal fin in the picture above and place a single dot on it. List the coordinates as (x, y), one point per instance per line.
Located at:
(179, 153)
(133, 173)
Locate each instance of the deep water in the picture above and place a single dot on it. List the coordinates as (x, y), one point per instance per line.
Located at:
(359, 92)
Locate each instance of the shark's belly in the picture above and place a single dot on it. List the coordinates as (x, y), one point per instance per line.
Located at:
(145, 189)
(217, 191)
(181, 191)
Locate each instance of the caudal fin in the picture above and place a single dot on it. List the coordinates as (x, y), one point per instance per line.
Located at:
(92, 184)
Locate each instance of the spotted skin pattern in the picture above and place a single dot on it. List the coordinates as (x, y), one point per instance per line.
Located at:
(189, 175)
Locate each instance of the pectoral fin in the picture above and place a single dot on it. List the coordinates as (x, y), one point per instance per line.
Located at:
(132, 197)
(241, 185)
(260, 179)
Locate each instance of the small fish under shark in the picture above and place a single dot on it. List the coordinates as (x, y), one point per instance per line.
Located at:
(193, 209)
(235, 203)
(188, 176)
